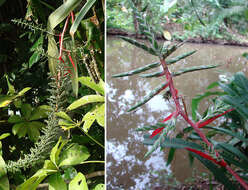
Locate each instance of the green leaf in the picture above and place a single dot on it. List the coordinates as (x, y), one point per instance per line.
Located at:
(63, 115)
(195, 101)
(23, 91)
(38, 43)
(56, 182)
(138, 70)
(87, 81)
(80, 16)
(33, 182)
(99, 187)
(4, 135)
(139, 45)
(11, 90)
(85, 100)
(149, 96)
(170, 156)
(54, 156)
(217, 172)
(78, 182)
(88, 119)
(20, 129)
(15, 119)
(53, 20)
(4, 182)
(40, 112)
(34, 59)
(33, 129)
(73, 155)
(26, 110)
(5, 101)
(195, 68)
(100, 114)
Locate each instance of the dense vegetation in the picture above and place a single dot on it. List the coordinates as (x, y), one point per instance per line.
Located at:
(226, 158)
(211, 19)
(52, 94)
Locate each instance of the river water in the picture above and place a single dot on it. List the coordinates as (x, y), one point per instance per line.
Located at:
(126, 166)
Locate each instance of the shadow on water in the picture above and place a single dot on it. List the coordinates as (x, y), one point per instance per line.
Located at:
(126, 166)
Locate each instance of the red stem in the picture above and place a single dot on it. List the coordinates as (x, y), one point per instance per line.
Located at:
(62, 38)
(181, 112)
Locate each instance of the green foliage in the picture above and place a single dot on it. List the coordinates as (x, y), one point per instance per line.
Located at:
(29, 49)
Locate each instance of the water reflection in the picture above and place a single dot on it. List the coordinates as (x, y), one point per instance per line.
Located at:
(126, 166)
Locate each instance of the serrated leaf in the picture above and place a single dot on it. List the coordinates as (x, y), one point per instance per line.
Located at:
(195, 101)
(218, 172)
(195, 68)
(149, 96)
(73, 155)
(78, 182)
(87, 81)
(139, 45)
(138, 70)
(56, 182)
(86, 100)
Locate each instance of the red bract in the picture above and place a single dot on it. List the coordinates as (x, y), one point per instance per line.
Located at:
(156, 131)
(202, 124)
(208, 157)
(169, 117)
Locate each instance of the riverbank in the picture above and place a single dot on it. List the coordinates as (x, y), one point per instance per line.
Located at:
(117, 31)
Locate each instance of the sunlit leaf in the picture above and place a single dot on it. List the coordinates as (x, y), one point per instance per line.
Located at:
(99, 187)
(54, 156)
(86, 100)
(56, 182)
(23, 91)
(78, 182)
(81, 15)
(4, 182)
(63, 115)
(100, 114)
(87, 81)
(73, 155)
(167, 35)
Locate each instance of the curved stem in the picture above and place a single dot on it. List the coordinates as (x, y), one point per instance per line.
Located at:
(181, 112)
(92, 138)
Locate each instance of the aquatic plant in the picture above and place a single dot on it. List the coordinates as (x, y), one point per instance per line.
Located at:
(160, 136)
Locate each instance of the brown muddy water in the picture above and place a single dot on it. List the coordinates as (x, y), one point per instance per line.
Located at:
(126, 166)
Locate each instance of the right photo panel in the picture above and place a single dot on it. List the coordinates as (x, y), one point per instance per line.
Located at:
(177, 94)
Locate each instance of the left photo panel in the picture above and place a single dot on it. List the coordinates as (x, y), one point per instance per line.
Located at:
(52, 95)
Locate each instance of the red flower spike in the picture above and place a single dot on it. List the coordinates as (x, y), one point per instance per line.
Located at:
(156, 131)
(72, 62)
(202, 124)
(208, 157)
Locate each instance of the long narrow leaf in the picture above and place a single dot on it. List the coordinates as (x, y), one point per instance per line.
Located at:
(217, 172)
(139, 45)
(138, 70)
(149, 96)
(196, 68)
(81, 15)
(151, 127)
